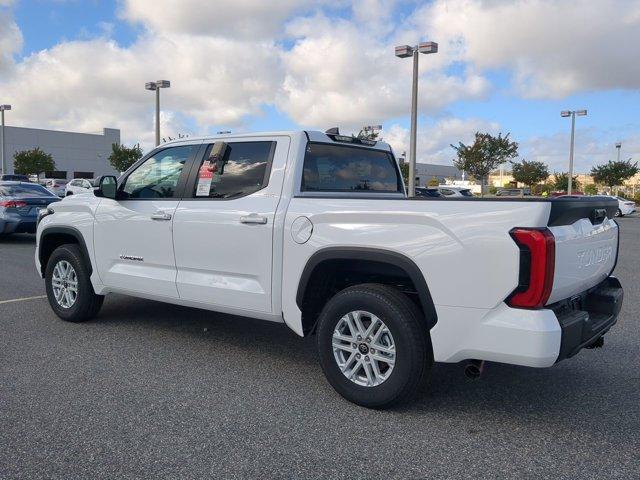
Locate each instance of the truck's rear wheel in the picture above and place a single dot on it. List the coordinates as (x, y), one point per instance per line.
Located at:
(373, 347)
(69, 288)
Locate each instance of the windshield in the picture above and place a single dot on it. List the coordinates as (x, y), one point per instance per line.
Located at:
(466, 193)
(24, 190)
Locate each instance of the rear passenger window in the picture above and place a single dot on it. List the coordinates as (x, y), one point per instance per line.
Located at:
(243, 170)
(337, 168)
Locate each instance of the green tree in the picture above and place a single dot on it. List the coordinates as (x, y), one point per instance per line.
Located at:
(561, 182)
(123, 157)
(34, 161)
(404, 169)
(434, 182)
(530, 173)
(484, 155)
(591, 189)
(613, 174)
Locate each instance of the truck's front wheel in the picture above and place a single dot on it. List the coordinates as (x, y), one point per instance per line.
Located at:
(69, 288)
(373, 347)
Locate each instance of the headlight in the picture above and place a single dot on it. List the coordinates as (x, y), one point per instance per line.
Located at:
(43, 213)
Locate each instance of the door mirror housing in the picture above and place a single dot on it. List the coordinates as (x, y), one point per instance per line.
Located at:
(107, 187)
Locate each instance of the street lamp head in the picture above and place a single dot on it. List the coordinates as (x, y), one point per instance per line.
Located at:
(428, 47)
(565, 113)
(150, 86)
(163, 84)
(5, 107)
(404, 51)
(581, 113)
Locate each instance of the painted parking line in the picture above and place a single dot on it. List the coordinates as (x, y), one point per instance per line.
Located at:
(23, 299)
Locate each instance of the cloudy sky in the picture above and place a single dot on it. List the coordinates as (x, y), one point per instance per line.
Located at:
(246, 65)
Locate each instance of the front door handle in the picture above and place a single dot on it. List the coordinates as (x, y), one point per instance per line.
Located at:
(254, 218)
(161, 216)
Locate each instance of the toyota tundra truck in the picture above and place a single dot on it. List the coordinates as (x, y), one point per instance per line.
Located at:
(315, 230)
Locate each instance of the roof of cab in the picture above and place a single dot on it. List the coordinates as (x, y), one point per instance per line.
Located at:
(312, 135)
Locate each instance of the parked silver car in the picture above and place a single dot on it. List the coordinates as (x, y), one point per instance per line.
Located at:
(453, 191)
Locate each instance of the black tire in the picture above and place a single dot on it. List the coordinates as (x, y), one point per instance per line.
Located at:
(414, 356)
(87, 303)
(68, 194)
(619, 213)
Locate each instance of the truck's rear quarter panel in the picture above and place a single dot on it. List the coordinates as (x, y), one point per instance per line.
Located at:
(469, 261)
(463, 248)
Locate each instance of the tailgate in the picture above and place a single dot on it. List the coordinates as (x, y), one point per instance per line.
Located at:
(586, 242)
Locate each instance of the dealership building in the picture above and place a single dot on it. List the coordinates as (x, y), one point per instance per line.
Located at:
(75, 154)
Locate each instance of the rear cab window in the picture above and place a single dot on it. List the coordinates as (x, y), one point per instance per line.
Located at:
(340, 168)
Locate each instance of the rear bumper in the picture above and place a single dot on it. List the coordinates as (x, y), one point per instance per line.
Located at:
(18, 225)
(585, 318)
(531, 338)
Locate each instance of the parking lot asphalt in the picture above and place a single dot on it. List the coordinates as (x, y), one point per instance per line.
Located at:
(149, 390)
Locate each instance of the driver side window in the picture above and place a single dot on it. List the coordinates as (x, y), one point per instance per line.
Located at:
(158, 176)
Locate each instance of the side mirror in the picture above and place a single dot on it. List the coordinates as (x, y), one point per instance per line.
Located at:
(107, 187)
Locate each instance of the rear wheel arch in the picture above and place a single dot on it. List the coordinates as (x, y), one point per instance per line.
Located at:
(334, 268)
(54, 237)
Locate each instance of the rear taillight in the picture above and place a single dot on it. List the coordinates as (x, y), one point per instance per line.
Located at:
(12, 204)
(537, 264)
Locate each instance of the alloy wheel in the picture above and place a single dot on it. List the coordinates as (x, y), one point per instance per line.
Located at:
(64, 282)
(363, 348)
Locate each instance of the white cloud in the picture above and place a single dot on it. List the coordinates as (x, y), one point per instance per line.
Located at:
(434, 141)
(10, 39)
(592, 148)
(339, 73)
(248, 19)
(553, 47)
(87, 85)
(229, 59)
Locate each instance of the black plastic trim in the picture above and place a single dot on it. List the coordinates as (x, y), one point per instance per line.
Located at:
(586, 317)
(615, 262)
(565, 211)
(74, 232)
(365, 254)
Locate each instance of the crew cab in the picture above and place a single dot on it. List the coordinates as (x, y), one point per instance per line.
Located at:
(315, 230)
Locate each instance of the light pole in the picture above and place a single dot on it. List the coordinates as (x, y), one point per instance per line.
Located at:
(618, 147)
(404, 51)
(4, 161)
(572, 114)
(157, 86)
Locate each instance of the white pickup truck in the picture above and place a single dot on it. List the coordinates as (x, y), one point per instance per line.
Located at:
(315, 230)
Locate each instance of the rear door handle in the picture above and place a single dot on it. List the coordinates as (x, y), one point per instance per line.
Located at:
(161, 216)
(254, 218)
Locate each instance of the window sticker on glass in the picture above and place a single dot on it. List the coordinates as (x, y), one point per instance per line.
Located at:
(205, 177)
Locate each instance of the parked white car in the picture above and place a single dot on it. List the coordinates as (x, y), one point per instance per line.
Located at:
(56, 186)
(315, 231)
(451, 191)
(78, 185)
(625, 207)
